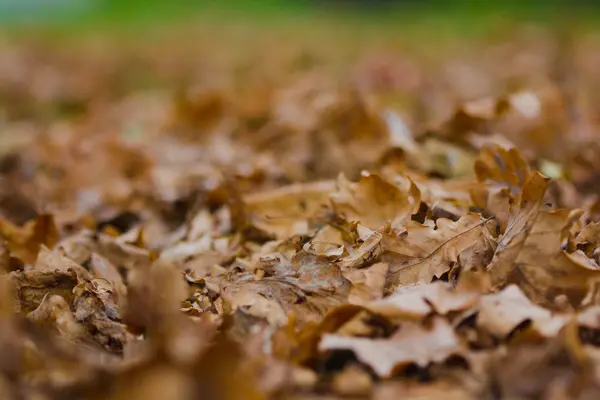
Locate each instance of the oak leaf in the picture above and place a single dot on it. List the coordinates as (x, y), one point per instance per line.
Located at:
(501, 313)
(375, 202)
(412, 343)
(420, 300)
(530, 252)
(425, 252)
(286, 211)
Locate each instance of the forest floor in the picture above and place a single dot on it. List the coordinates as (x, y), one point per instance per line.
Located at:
(299, 205)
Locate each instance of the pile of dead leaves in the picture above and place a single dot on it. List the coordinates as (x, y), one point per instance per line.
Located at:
(297, 240)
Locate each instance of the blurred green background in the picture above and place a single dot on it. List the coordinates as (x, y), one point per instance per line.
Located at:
(86, 12)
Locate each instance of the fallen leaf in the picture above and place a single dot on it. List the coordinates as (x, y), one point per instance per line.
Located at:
(588, 239)
(503, 167)
(102, 268)
(425, 252)
(501, 313)
(374, 202)
(412, 343)
(368, 284)
(328, 242)
(33, 286)
(54, 261)
(261, 299)
(54, 310)
(420, 300)
(478, 256)
(541, 268)
(369, 249)
(520, 224)
(286, 211)
(25, 242)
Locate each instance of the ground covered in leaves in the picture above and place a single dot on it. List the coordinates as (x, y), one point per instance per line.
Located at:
(306, 220)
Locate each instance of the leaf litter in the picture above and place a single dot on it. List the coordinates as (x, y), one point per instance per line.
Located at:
(294, 236)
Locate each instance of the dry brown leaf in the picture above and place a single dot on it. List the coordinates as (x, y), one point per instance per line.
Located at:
(480, 254)
(520, 224)
(503, 167)
(313, 275)
(369, 248)
(328, 242)
(425, 252)
(309, 292)
(222, 373)
(561, 273)
(530, 253)
(53, 261)
(54, 310)
(417, 301)
(275, 376)
(368, 283)
(78, 247)
(286, 211)
(446, 159)
(474, 116)
(503, 173)
(261, 299)
(123, 255)
(374, 202)
(200, 254)
(501, 313)
(94, 296)
(446, 198)
(588, 239)
(24, 243)
(588, 324)
(152, 382)
(102, 268)
(546, 371)
(412, 343)
(33, 286)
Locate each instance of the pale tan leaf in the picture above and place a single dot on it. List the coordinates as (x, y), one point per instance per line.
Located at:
(501, 313)
(328, 242)
(412, 343)
(417, 301)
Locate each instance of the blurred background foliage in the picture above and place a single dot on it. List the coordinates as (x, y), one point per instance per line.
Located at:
(100, 12)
